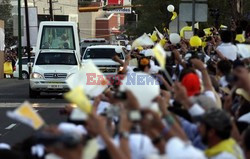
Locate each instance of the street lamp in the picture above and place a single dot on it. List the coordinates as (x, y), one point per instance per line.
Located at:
(136, 18)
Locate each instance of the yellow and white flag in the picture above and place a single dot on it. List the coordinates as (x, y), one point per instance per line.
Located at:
(27, 115)
(175, 15)
(160, 55)
(143, 40)
(77, 96)
(159, 33)
(197, 25)
(90, 78)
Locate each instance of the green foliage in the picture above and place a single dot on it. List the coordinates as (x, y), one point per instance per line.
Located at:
(154, 13)
(5, 15)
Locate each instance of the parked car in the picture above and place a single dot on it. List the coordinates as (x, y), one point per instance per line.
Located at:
(25, 69)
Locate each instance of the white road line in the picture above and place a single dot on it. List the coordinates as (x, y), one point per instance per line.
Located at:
(10, 126)
(35, 105)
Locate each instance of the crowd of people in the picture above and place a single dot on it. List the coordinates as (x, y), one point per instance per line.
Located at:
(203, 109)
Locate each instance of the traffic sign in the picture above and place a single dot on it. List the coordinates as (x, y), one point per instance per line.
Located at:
(186, 10)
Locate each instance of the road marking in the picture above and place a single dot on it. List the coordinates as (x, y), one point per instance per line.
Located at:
(10, 126)
(35, 105)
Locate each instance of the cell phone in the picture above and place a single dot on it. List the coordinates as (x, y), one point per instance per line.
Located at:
(134, 115)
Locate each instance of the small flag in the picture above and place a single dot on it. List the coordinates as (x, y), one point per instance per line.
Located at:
(240, 38)
(159, 33)
(27, 115)
(208, 31)
(196, 25)
(143, 40)
(90, 78)
(174, 16)
(160, 55)
(244, 50)
(77, 96)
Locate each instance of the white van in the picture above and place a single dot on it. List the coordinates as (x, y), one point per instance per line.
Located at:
(57, 57)
(102, 55)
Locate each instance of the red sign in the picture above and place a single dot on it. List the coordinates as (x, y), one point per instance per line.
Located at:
(115, 2)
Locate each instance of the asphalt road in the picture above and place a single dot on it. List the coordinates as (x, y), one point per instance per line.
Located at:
(17, 91)
(13, 92)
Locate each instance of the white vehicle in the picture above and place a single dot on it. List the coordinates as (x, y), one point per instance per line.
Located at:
(25, 69)
(57, 57)
(102, 55)
(91, 42)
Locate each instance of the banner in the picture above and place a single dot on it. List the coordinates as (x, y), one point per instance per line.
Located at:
(127, 10)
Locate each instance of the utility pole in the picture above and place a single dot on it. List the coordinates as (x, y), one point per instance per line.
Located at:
(51, 10)
(19, 40)
(27, 32)
(193, 15)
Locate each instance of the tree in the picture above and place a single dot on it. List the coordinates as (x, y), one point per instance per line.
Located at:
(6, 16)
(154, 13)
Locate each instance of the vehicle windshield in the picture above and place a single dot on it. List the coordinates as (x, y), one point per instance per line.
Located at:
(101, 53)
(56, 59)
(58, 37)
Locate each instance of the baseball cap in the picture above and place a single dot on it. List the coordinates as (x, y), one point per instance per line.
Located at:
(191, 82)
(216, 119)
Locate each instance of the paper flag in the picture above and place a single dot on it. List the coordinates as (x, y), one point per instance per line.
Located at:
(174, 16)
(90, 78)
(244, 50)
(77, 96)
(143, 40)
(223, 27)
(207, 31)
(159, 33)
(196, 25)
(137, 83)
(240, 38)
(27, 115)
(160, 55)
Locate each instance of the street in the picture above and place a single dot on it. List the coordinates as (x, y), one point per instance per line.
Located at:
(12, 93)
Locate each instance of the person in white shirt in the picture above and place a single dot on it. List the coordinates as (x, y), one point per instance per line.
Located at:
(226, 49)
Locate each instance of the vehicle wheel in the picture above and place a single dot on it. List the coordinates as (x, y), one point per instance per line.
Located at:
(25, 75)
(33, 94)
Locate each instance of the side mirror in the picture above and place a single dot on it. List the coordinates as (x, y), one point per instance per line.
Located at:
(30, 64)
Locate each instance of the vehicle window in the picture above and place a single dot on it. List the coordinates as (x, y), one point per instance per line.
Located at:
(25, 61)
(101, 53)
(56, 59)
(58, 37)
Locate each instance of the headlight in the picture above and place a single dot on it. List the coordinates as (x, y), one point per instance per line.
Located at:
(36, 76)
